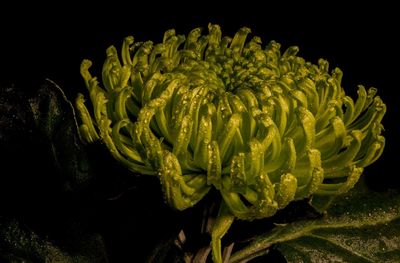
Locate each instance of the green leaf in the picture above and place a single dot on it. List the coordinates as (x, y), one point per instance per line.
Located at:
(54, 117)
(20, 244)
(361, 226)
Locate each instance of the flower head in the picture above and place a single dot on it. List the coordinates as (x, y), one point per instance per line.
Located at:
(202, 111)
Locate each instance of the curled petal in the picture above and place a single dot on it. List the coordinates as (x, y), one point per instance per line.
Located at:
(286, 190)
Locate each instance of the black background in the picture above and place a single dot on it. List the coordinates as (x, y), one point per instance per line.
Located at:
(50, 41)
